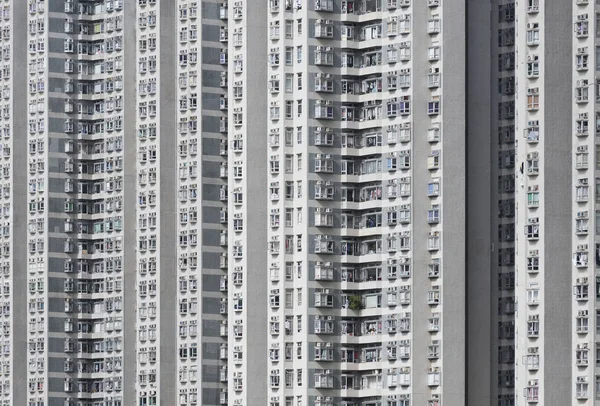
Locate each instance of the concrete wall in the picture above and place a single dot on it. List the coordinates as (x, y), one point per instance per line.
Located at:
(479, 306)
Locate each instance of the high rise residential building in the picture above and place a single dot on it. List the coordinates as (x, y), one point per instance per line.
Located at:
(13, 260)
(556, 258)
(299, 202)
(143, 120)
(201, 230)
(502, 193)
(367, 213)
(80, 200)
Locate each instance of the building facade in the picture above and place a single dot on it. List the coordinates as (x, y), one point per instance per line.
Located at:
(502, 123)
(298, 202)
(367, 202)
(80, 91)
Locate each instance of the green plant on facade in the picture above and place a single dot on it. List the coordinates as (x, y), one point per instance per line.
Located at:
(356, 303)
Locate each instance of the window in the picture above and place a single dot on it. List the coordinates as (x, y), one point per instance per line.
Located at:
(433, 53)
(532, 34)
(533, 99)
(533, 66)
(533, 294)
(324, 5)
(274, 57)
(581, 157)
(404, 105)
(533, 6)
(582, 91)
(582, 26)
(323, 56)
(533, 326)
(506, 37)
(433, 107)
(323, 29)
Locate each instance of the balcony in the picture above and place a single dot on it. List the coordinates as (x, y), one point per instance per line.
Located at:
(359, 7)
(362, 384)
(358, 331)
(362, 248)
